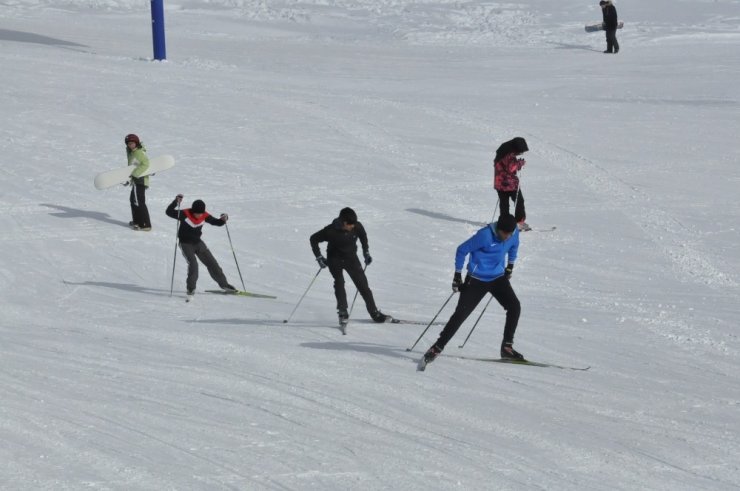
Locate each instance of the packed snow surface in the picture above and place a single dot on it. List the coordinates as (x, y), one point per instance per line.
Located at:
(282, 113)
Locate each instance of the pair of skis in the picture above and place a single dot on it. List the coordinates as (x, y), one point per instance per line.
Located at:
(238, 293)
(422, 364)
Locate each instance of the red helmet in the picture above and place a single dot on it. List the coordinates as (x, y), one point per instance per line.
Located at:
(132, 138)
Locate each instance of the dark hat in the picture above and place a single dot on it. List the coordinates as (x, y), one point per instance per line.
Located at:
(198, 206)
(506, 223)
(602, 2)
(132, 138)
(348, 216)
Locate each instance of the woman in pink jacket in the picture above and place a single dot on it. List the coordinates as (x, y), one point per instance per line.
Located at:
(506, 164)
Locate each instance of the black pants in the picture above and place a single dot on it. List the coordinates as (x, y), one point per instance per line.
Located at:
(503, 200)
(139, 211)
(354, 269)
(471, 295)
(192, 253)
(612, 45)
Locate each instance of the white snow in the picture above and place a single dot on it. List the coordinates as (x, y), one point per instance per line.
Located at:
(281, 113)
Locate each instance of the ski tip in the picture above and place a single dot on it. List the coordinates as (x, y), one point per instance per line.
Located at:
(285, 321)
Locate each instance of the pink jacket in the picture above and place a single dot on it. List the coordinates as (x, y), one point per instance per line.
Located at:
(504, 177)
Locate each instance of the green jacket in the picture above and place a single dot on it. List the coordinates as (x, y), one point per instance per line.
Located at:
(141, 161)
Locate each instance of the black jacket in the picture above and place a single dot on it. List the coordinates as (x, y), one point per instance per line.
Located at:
(610, 17)
(342, 243)
(191, 228)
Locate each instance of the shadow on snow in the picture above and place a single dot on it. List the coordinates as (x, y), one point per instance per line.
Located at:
(67, 212)
(442, 216)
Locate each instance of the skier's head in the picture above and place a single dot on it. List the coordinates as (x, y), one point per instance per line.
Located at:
(198, 206)
(131, 138)
(348, 216)
(505, 226)
(517, 146)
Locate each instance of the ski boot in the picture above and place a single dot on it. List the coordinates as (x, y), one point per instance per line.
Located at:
(343, 319)
(229, 289)
(509, 353)
(428, 357)
(190, 295)
(380, 317)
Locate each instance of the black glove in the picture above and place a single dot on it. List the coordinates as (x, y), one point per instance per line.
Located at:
(178, 198)
(509, 271)
(127, 183)
(368, 259)
(322, 261)
(224, 217)
(457, 282)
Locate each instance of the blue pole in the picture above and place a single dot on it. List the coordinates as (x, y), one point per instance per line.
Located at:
(160, 51)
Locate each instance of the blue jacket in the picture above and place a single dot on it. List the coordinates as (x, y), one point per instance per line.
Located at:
(488, 253)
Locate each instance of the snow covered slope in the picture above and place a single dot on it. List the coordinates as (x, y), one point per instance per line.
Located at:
(280, 114)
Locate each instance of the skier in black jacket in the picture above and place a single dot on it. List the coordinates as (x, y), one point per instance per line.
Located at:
(193, 248)
(341, 255)
(609, 11)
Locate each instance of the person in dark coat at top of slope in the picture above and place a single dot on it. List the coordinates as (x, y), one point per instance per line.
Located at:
(341, 255)
(611, 22)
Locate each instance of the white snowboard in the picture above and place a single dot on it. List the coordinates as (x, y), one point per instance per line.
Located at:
(120, 175)
(600, 26)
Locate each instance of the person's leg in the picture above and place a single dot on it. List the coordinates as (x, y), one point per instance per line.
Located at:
(609, 41)
(504, 294)
(144, 221)
(134, 207)
(336, 266)
(503, 202)
(188, 251)
(615, 42)
(205, 256)
(358, 277)
(519, 212)
(470, 297)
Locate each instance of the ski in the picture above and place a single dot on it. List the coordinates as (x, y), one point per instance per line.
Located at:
(519, 362)
(240, 293)
(394, 320)
(537, 229)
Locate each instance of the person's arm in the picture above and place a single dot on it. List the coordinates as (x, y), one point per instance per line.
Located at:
(362, 234)
(514, 250)
(316, 239)
(171, 211)
(472, 244)
(219, 222)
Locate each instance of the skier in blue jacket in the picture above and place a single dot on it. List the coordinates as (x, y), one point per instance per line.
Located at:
(493, 251)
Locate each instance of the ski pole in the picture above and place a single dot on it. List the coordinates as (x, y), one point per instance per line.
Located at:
(302, 296)
(174, 258)
(431, 322)
(353, 300)
(476, 322)
(495, 209)
(244, 288)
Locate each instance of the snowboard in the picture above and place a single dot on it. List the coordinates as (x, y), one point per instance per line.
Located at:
(110, 178)
(600, 26)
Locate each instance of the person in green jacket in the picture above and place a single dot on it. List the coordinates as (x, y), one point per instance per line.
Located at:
(139, 183)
